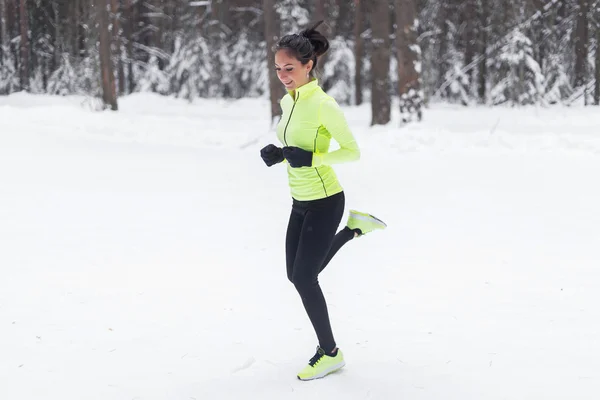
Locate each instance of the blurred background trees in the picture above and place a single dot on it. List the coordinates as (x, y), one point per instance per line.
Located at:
(515, 52)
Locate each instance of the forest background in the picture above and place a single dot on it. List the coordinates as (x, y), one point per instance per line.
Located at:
(502, 52)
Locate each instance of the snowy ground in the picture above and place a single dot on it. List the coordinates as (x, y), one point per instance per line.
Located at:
(141, 256)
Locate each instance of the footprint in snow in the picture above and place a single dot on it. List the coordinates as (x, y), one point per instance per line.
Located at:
(247, 364)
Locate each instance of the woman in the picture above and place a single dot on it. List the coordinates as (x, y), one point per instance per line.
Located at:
(310, 120)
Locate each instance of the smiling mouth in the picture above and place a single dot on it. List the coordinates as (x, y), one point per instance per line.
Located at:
(287, 83)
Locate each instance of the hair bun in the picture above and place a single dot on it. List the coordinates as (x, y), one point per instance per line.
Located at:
(319, 42)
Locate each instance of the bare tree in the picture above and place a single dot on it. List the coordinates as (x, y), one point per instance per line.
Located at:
(106, 68)
(359, 46)
(3, 27)
(483, 44)
(581, 43)
(321, 8)
(24, 45)
(116, 32)
(380, 63)
(128, 33)
(271, 37)
(597, 72)
(469, 9)
(408, 57)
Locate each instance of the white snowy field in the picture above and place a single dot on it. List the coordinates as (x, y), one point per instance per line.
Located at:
(142, 256)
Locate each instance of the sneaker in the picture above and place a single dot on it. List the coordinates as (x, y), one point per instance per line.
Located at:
(322, 364)
(364, 222)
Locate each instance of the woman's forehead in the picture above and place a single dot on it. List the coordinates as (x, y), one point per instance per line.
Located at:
(283, 57)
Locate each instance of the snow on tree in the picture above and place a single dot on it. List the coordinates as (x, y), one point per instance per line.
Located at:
(63, 81)
(189, 69)
(558, 85)
(246, 72)
(9, 75)
(521, 80)
(294, 15)
(151, 78)
(339, 70)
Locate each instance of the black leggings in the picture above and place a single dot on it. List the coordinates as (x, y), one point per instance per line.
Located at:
(311, 242)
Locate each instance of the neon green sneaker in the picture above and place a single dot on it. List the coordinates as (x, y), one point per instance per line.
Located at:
(322, 364)
(364, 222)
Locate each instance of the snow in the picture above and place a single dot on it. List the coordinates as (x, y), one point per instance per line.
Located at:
(142, 255)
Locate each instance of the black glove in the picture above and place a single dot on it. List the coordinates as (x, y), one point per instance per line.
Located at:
(298, 157)
(271, 155)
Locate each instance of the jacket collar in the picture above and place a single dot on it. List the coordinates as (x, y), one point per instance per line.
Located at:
(304, 90)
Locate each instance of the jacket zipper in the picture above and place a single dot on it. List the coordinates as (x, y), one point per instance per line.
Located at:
(316, 169)
(290, 117)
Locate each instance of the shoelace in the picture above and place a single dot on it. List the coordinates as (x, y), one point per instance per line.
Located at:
(315, 359)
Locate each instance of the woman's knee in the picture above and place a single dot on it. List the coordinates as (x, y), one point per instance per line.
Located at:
(302, 280)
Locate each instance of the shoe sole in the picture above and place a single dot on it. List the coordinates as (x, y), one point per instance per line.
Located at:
(323, 374)
(368, 217)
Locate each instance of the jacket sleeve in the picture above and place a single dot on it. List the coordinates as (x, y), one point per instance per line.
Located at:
(333, 119)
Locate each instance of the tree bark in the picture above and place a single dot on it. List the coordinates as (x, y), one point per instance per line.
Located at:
(442, 66)
(380, 63)
(24, 66)
(321, 15)
(106, 67)
(58, 43)
(3, 27)
(116, 26)
(128, 32)
(581, 43)
(222, 12)
(470, 36)
(358, 49)
(408, 78)
(597, 72)
(408, 57)
(272, 35)
(482, 75)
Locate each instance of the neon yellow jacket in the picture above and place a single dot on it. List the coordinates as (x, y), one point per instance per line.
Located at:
(310, 119)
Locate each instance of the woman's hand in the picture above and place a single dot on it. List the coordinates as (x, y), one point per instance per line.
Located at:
(271, 155)
(298, 157)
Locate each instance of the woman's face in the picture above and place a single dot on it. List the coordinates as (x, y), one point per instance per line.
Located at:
(290, 71)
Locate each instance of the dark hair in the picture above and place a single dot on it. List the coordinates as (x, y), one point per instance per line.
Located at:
(306, 45)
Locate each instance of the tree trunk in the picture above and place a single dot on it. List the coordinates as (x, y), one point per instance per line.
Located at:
(380, 63)
(3, 28)
(408, 78)
(58, 50)
(128, 31)
(320, 9)
(358, 49)
(406, 50)
(581, 44)
(116, 13)
(272, 36)
(482, 74)
(321, 15)
(470, 37)
(106, 67)
(80, 33)
(597, 72)
(222, 10)
(343, 23)
(442, 66)
(24, 67)
(70, 30)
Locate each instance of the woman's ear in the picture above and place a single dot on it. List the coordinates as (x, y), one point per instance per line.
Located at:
(309, 66)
